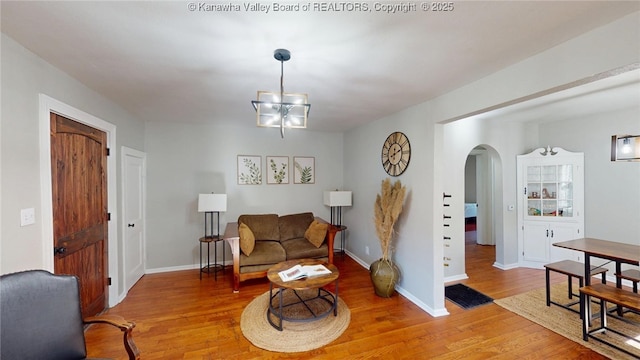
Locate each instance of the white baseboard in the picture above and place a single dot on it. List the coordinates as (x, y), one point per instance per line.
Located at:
(421, 305)
(456, 278)
(405, 293)
(505, 267)
(178, 268)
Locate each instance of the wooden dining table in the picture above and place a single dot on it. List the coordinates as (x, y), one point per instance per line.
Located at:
(620, 253)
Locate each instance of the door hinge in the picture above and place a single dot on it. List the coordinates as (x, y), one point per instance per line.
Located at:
(109, 281)
(108, 152)
(108, 216)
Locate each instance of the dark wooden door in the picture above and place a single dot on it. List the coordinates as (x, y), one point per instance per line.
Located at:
(79, 187)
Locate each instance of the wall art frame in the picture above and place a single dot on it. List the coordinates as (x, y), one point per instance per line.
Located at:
(304, 170)
(277, 170)
(249, 170)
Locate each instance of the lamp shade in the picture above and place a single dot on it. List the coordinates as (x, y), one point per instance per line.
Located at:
(337, 198)
(212, 202)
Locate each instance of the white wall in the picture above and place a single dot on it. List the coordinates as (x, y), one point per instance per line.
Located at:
(419, 245)
(612, 189)
(504, 141)
(414, 249)
(187, 159)
(24, 77)
(470, 188)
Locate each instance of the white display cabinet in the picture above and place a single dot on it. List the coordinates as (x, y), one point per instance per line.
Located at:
(550, 204)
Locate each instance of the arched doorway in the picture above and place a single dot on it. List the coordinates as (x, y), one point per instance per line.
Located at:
(483, 196)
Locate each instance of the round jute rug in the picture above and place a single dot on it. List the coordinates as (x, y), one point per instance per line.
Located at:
(296, 336)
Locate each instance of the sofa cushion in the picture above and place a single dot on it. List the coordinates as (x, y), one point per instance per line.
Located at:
(265, 252)
(247, 239)
(301, 248)
(263, 226)
(294, 226)
(316, 232)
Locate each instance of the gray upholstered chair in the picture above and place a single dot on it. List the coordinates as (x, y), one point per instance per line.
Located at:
(40, 318)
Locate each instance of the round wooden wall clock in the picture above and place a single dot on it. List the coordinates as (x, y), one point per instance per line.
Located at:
(396, 153)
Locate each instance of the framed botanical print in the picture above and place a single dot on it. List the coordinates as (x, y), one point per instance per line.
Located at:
(277, 169)
(304, 170)
(249, 169)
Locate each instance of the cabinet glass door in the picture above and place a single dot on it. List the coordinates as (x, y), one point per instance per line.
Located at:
(534, 178)
(549, 190)
(565, 190)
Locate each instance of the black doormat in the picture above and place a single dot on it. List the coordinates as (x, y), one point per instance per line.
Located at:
(465, 297)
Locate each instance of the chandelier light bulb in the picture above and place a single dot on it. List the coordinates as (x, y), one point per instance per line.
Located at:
(273, 109)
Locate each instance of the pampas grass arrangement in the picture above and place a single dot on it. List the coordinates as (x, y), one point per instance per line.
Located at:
(387, 209)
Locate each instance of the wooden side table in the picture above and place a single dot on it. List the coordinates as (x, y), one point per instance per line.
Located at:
(341, 229)
(209, 267)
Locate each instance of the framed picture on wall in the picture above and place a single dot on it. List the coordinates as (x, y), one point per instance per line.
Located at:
(249, 169)
(304, 170)
(277, 170)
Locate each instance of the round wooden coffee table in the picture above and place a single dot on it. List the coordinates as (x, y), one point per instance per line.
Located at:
(280, 299)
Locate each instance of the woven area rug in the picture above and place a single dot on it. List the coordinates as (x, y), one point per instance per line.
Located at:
(532, 305)
(296, 336)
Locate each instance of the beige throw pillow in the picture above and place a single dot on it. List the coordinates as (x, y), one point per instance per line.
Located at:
(316, 233)
(247, 239)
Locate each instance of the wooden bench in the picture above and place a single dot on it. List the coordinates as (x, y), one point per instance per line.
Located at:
(632, 275)
(572, 269)
(606, 293)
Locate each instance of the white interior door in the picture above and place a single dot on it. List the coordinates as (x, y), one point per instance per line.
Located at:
(133, 178)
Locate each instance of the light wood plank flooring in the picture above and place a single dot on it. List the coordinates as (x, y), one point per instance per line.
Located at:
(179, 316)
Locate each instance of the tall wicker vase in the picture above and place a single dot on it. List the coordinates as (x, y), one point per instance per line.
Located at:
(384, 276)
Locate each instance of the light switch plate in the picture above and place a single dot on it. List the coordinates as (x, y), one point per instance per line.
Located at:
(27, 216)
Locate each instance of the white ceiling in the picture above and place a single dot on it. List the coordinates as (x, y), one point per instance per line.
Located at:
(602, 93)
(163, 62)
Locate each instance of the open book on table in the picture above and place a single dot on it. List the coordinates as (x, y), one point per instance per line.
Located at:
(302, 271)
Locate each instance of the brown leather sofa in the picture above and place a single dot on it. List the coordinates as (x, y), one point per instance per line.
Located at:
(277, 239)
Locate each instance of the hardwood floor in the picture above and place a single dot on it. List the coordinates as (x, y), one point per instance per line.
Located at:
(179, 316)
